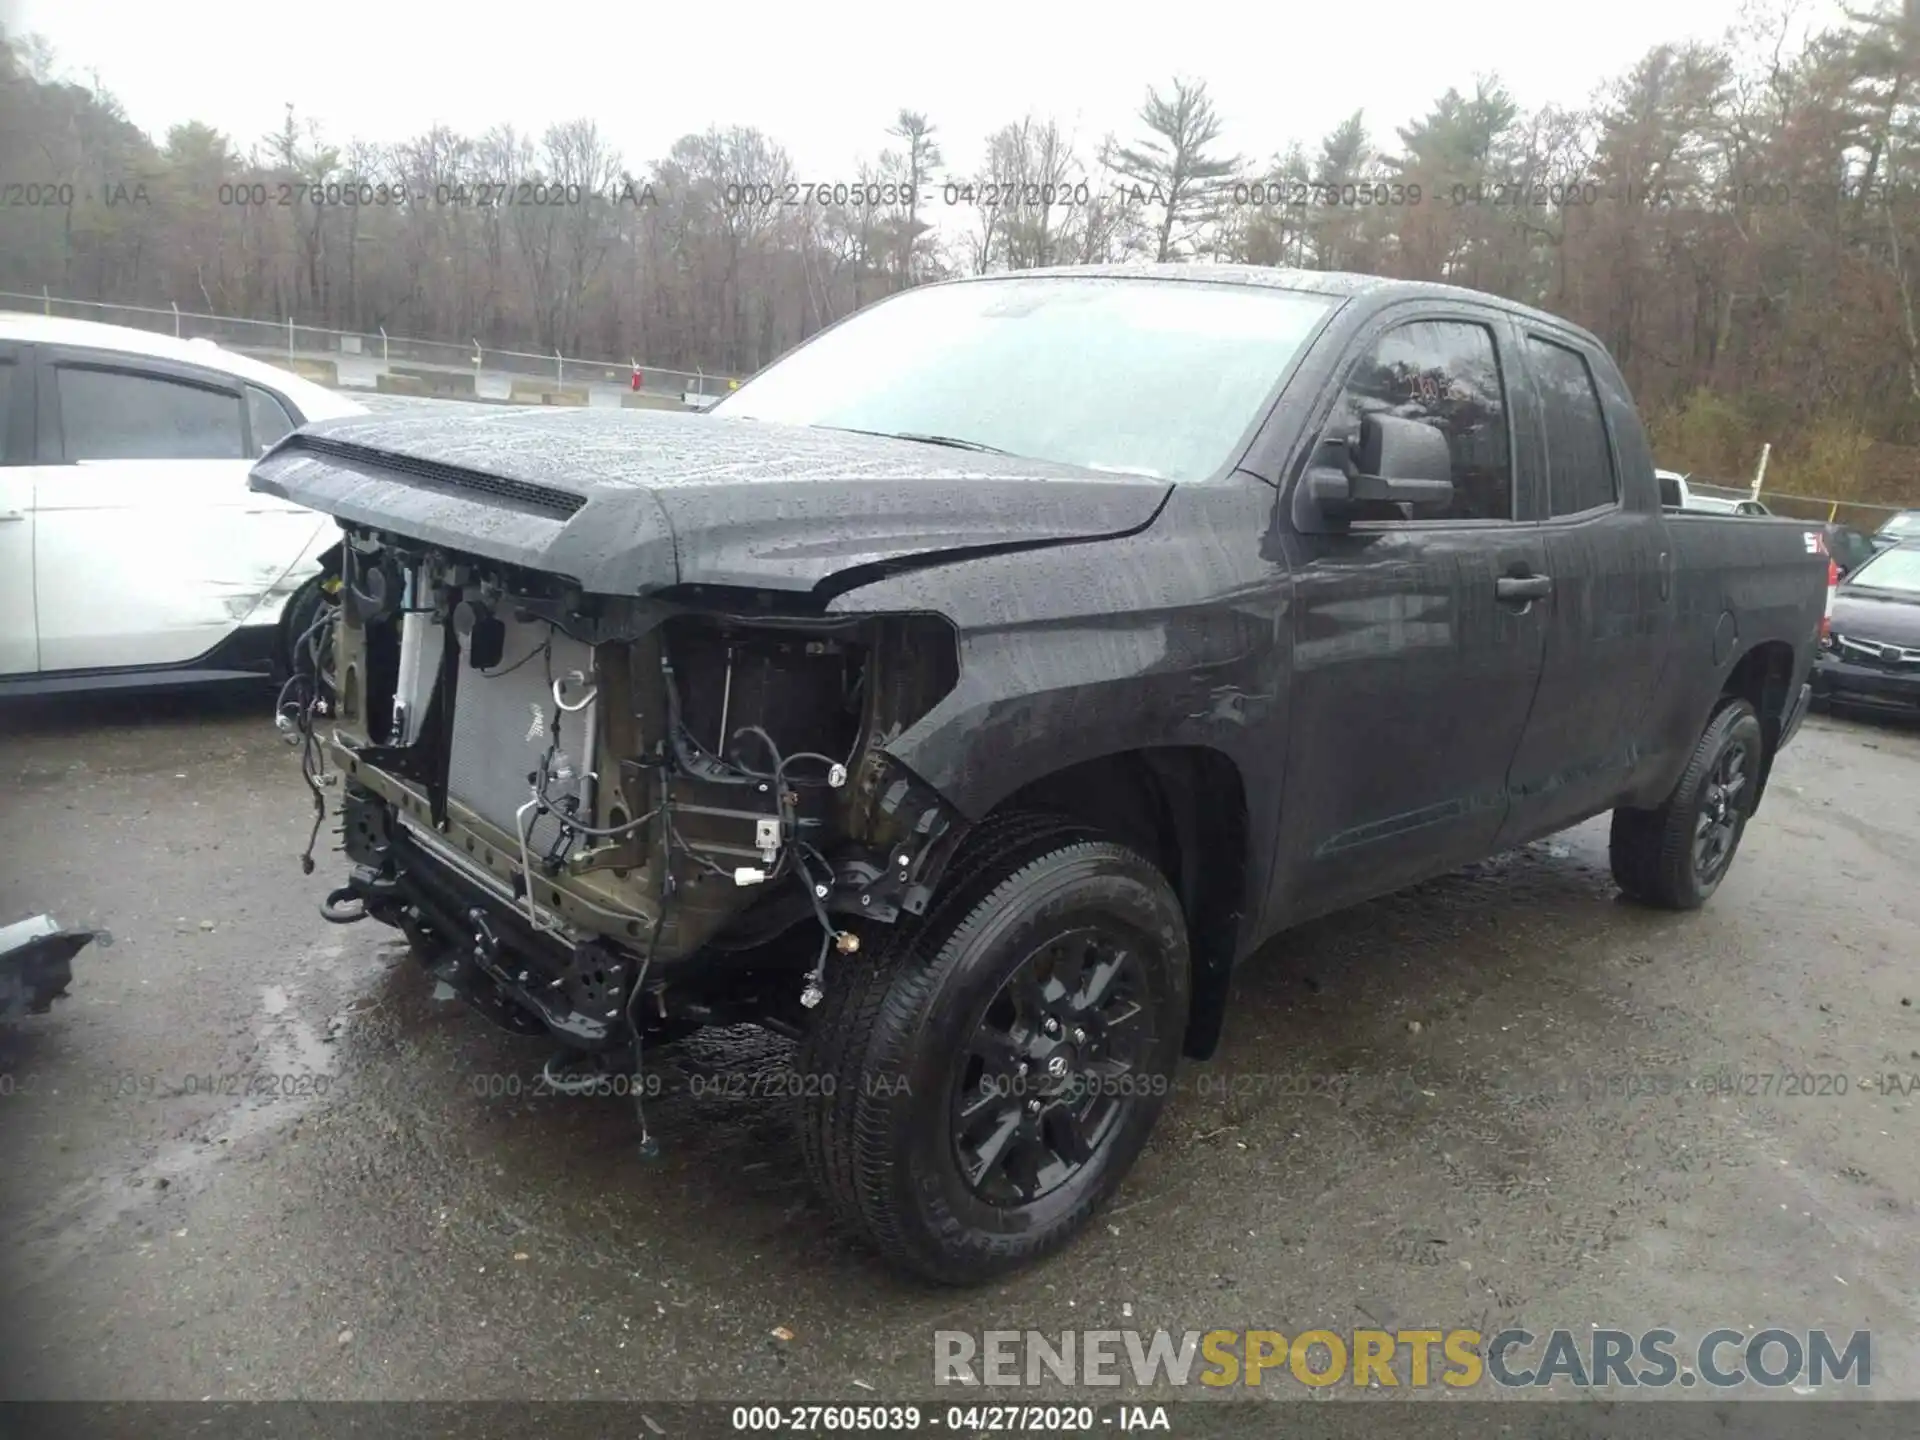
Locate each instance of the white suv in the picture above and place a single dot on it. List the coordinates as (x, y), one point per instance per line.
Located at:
(132, 552)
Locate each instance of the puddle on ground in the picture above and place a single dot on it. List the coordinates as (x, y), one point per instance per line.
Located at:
(289, 1074)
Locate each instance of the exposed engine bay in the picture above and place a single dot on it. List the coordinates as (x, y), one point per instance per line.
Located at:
(610, 818)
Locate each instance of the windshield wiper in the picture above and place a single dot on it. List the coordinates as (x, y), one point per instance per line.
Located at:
(947, 440)
(952, 443)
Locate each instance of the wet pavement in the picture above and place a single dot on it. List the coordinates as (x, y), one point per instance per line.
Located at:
(250, 1156)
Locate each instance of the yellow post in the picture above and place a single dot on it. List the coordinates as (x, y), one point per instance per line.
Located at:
(1832, 511)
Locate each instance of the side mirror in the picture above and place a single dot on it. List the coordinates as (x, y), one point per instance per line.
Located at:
(1397, 461)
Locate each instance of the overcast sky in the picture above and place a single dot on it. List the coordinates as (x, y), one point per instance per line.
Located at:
(826, 85)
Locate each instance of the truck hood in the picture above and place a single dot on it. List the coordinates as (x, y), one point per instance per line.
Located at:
(624, 502)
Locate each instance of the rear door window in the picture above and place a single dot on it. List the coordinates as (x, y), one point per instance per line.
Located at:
(115, 414)
(1580, 469)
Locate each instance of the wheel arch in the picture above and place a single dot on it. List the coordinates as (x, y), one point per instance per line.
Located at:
(1184, 808)
(1763, 677)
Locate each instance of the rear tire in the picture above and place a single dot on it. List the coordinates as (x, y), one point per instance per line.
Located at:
(1675, 855)
(1050, 948)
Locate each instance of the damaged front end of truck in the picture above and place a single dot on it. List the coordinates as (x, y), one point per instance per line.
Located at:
(606, 817)
(641, 723)
(603, 750)
(629, 740)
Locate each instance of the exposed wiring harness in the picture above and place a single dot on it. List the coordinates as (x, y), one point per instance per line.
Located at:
(694, 757)
(815, 990)
(303, 696)
(686, 755)
(545, 647)
(649, 1147)
(567, 807)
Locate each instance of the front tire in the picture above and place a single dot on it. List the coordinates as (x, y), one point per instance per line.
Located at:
(1675, 856)
(996, 1067)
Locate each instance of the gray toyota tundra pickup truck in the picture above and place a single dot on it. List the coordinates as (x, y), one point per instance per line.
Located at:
(971, 691)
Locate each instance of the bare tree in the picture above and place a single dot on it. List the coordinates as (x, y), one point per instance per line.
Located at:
(303, 160)
(1026, 196)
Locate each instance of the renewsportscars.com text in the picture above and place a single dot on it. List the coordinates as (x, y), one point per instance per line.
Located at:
(1586, 1358)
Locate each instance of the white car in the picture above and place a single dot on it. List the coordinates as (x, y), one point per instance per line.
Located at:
(1673, 489)
(1676, 495)
(1724, 505)
(132, 552)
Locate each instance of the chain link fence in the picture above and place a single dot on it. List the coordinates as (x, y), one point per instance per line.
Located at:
(1862, 515)
(402, 364)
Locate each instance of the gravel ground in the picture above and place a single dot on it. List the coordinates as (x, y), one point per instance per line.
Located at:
(428, 1229)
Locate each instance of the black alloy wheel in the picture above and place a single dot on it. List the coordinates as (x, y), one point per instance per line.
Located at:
(1051, 1066)
(1722, 813)
(982, 1078)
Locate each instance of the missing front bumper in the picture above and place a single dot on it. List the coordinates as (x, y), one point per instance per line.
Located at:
(598, 903)
(473, 937)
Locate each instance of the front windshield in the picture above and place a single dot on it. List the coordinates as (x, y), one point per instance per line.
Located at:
(1891, 570)
(1907, 524)
(1148, 377)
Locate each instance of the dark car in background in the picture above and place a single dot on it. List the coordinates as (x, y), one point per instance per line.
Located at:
(1871, 657)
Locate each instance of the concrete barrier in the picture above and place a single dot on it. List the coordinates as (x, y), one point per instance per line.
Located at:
(640, 400)
(454, 383)
(308, 367)
(321, 372)
(539, 392)
(391, 384)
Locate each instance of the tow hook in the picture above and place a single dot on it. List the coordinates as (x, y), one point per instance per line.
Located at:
(332, 908)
